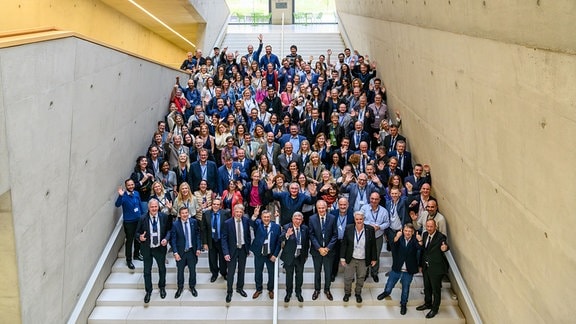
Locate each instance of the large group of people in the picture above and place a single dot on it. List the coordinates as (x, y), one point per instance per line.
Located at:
(312, 143)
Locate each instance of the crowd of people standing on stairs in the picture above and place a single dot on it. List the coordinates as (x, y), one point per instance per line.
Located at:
(312, 143)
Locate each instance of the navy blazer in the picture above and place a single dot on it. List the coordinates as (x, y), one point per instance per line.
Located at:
(144, 226)
(388, 142)
(416, 185)
(407, 160)
(401, 208)
(290, 244)
(330, 236)
(195, 175)
(364, 137)
(178, 239)
(224, 177)
(260, 236)
(403, 253)
(349, 217)
(352, 188)
(229, 236)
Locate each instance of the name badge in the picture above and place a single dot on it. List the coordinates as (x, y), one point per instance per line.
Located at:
(299, 246)
(339, 227)
(265, 242)
(136, 209)
(213, 230)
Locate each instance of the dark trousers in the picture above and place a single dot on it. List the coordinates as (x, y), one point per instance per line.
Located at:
(187, 259)
(336, 261)
(237, 259)
(259, 262)
(325, 262)
(216, 259)
(130, 231)
(374, 270)
(432, 288)
(297, 266)
(158, 254)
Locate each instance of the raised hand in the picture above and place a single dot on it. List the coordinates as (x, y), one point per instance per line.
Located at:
(143, 237)
(120, 191)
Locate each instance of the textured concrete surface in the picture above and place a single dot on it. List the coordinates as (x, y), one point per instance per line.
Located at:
(486, 94)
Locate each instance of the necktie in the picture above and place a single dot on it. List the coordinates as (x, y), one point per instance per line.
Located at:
(155, 230)
(298, 248)
(215, 221)
(187, 236)
(428, 240)
(314, 127)
(265, 246)
(357, 138)
(322, 223)
(238, 235)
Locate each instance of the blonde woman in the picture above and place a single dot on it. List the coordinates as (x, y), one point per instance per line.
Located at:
(186, 199)
(204, 198)
(314, 168)
(164, 199)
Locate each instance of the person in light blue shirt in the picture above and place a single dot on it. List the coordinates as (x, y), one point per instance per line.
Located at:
(377, 217)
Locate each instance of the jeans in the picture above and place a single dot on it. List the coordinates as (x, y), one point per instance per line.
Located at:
(405, 279)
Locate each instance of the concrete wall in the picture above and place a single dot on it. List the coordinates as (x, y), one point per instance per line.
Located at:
(486, 91)
(76, 115)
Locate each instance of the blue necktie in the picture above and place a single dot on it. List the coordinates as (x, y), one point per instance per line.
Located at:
(187, 236)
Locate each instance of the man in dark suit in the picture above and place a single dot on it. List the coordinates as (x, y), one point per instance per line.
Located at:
(266, 247)
(323, 237)
(344, 217)
(212, 227)
(420, 176)
(296, 241)
(186, 244)
(358, 252)
(236, 247)
(357, 136)
(391, 139)
(270, 148)
(288, 156)
(404, 263)
(203, 170)
(404, 158)
(245, 165)
(434, 267)
(153, 232)
(313, 126)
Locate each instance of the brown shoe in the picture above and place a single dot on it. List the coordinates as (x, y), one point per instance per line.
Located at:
(329, 295)
(257, 294)
(271, 294)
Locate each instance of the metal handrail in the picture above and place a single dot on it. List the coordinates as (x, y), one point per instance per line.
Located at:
(463, 290)
(276, 279)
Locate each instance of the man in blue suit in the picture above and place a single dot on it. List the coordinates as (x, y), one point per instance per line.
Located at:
(360, 192)
(203, 170)
(266, 247)
(295, 237)
(344, 217)
(404, 158)
(405, 248)
(186, 244)
(293, 138)
(153, 232)
(236, 247)
(323, 237)
(230, 171)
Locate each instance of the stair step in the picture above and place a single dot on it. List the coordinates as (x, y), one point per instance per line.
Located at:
(216, 297)
(352, 313)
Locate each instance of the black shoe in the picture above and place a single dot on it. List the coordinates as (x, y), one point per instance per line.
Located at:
(213, 278)
(346, 297)
(315, 294)
(300, 298)
(333, 278)
(138, 257)
(387, 274)
(329, 295)
(194, 291)
(383, 295)
(423, 307)
(225, 277)
(228, 297)
(287, 298)
(358, 299)
(375, 278)
(178, 293)
(162, 292)
(403, 310)
(130, 265)
(242, 292)
(431, 314)
(147, 297)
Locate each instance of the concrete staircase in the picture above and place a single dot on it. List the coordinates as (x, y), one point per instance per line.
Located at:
(121, 301)
(311, 40)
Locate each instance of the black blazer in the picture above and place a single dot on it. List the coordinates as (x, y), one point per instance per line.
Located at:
(330, 234)
(287, 255)
(229, 236)
(432, 258)
(307, 129)
(388, 142)
(144, 226)
(206, 227)
(347, 247)
(195, 175)
(178, 239)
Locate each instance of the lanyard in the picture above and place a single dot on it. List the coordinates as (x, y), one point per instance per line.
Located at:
(358, 237)
(342, 220)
